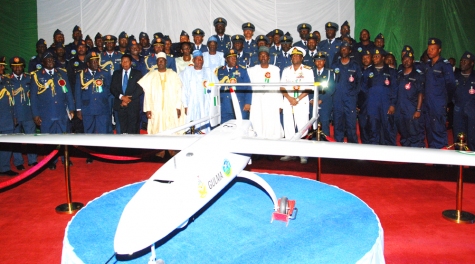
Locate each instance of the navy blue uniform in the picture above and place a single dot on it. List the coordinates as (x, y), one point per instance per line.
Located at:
(409, 87)
(150, 63)
(464, 109)
(439, 87)
(92, 99)
(325, 94)
(380, 87)
(347, 87)
(282, 61)
(274, 51)
(34, 64)
(224, 45)
(330, 48)
(250, 48)
(308, 59)
(202, 47)
(301, 44)
(6, 120)
(244, 60)
(243, 93)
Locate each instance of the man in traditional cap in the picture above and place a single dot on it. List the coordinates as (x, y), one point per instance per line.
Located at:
(304, 29)
(379, 83)
(52, 101)
(347, 86)
(71, 48)
(196, 94)
(198, 35)
(234, 73)
(266, 100)
(224, 40)
(439, 89)
(213, 58)
(249, 45)
(296, 103)
(283, 59)
(19, 85)
(409, 103)
(35, 61)
(331, 45)
(464, 100)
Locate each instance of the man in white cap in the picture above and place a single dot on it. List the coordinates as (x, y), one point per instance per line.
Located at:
(295, 105)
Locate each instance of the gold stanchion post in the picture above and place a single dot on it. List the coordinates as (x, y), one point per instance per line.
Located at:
(319, 160)
(69, 207)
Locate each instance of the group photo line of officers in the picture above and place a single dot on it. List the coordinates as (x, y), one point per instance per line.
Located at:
(96, 86)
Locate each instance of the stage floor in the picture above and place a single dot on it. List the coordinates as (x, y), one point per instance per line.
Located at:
(332, 226)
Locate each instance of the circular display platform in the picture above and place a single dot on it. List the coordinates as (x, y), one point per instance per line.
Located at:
(332, 226)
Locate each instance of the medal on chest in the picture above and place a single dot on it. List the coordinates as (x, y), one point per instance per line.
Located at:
(471, 91)
(98, 86)
(407, 86)
(386, 82)
(267, 77)
(351, 79)
(62, 83)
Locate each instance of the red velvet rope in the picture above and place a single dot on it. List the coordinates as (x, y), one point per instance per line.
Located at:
(29, 172)
(112, 157)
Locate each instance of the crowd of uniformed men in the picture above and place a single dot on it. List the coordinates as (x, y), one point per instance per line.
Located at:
(70, 88)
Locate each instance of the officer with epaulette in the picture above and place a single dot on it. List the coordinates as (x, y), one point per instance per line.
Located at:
(7, 121)
(439, 89)
(380, 86)
(198, 35)
(92, 95)
(60, 53)
(77, 63)
(110, 58)
(233, 73)
(276, 48)
(52, 101)
(224, 40)
(304, 30)
(330, 45)
(35, 61)
(409, 103)
(123, 43)
(283, 58)
(3, 63)
(464, 100)
(312, 50)
(71, 48)
(99, 42)
(150, 62)
(145, 43)
(58, 36)
(243, 59)
(326, 88)
(250, 46)
(19, 85)
(261, 40)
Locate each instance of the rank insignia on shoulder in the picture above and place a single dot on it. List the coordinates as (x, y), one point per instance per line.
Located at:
(34, 57)
(307, 67)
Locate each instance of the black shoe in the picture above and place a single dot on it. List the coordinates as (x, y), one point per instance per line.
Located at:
(20, 167)
(88, 160)
(33, 164)
(52, 166)
(9, 173)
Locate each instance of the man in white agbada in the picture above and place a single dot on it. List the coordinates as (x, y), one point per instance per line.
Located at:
(196, 94)
(162, 97)
(266, 100)
(295, 106)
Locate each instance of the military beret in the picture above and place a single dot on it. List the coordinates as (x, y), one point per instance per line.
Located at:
(109, 38)
(212, 38)
(262, 38)
(298, 51)
(143, 35)
(88, 38)
(98, 36)
(365, 51)
(407, 48)
(183, 33)
(220, 20)
(435, 41)
(198, 32)
(287, 38)
(47, 54)
(346, 24)
(345, 44)
(76, 28)
(58, 45)
(468, 55)
(313, 36)
(408, 54)
(3, 60)
(320, 56)
(277, 32)
(17, 61)
(264, 49)
(166, 38)
(379, 51)
(304, 26)
(236, 38)
(123, 35)
(197, 53)
(158, 35)
(230, 52)
(40, 42)
(158, 41)
(379, 36)
(92, 55)
(248, 25)
(331, 25)
(57, 32)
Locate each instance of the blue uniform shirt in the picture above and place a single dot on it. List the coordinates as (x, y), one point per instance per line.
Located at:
(331, 49)
(225, 44)
(6, 106)
(244, 93)
(20, 90)
(92, 92)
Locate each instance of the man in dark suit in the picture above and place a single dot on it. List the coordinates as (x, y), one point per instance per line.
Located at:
(126, 94)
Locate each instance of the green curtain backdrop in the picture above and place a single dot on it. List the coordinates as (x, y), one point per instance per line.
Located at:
(413, 22)
(18, 30)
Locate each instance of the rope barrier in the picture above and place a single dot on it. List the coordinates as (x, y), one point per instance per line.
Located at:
(113, 157)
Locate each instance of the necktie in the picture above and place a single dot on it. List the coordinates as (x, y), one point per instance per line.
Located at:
(221, 38)
(51, 73)
(249, 43)
(319, 73)
(124, 82)
(93, 73)
(110, 55)
(285, 54)
(18, 77)
(311, 54)
(305, 43)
